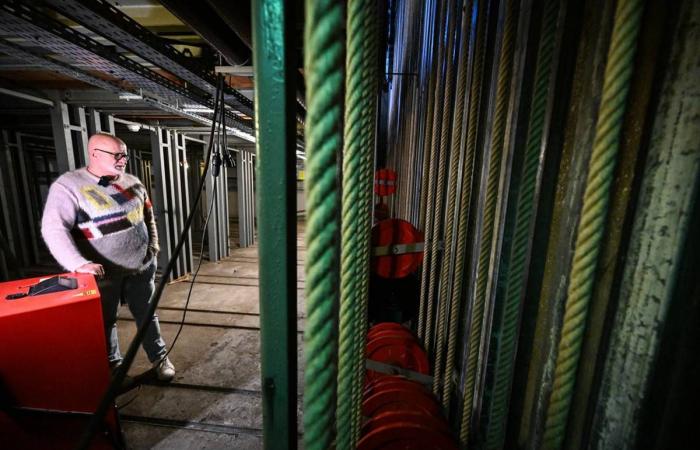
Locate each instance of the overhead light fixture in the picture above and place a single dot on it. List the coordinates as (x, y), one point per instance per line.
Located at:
(133, 127)
(130, 96)
(198, 109)
(241, 71)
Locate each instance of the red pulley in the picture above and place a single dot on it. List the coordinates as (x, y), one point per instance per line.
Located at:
(406, 436)
(384, 182)
(399, 399)
(397, 248)
(436, 423)
(392, 382)
(397, 351)
(399, 333)
(385, 326)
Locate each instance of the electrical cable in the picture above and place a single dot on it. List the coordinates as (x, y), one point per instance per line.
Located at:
(121, 372)
(194, 276)
(131, 400)
(217, 166)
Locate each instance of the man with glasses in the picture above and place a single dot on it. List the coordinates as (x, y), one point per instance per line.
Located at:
(99, 220)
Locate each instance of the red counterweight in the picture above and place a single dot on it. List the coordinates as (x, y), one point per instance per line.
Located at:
(53, 360)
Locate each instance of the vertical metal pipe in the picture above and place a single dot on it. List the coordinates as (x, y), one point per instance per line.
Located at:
(275, 109)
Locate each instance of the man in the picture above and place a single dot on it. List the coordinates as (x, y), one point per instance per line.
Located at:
(99, 220)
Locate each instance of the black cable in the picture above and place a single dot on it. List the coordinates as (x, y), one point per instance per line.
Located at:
(120, 374)
(194, 277)
(131, 400)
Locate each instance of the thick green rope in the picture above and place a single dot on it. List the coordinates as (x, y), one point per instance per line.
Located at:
(515, 276)
(367, 10)
(478, 50)
(455, 154)
(324, 58)
(618, 72)
(430, 248)
(489, 214)
(353, 236)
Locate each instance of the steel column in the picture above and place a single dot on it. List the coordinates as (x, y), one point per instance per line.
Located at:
(7, 234)
(246, 198)
(211, 199)
(60, 125)
(161, 204)
(20, 245)
(94, 122)
(179, 212)
(273, 25)
(31, 210)
(79, 116)
(181, 146)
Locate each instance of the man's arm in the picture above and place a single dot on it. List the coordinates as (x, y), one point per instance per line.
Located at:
(56, 224)
(150, 219)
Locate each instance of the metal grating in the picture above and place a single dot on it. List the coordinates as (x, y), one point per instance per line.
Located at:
(17, 20)
(108, 21)
(65, 69)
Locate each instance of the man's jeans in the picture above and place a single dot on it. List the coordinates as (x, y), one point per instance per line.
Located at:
(136, 290)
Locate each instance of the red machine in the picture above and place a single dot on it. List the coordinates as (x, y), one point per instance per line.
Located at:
(53, 363)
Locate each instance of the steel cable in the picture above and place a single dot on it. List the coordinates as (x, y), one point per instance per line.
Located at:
(515, 276)
(439, 213)
(430, 244)
(478, 52)
(616, 81)
(489, 214)
(455, 154)
(324, 58)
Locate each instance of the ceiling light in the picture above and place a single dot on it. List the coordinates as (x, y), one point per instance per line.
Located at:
(198, 109)
(133, 127)
(130, 96)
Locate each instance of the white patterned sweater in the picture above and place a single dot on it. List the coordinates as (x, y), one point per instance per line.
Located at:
(111, 225)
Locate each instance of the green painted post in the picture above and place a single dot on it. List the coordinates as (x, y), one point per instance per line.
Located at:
(276, 206)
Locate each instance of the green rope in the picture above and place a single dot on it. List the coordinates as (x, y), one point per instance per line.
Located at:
(366, 13)
(351, 265)
(489, 214)
(430, 248)
(618, 72)
(323, 65)
(478, 51)
(455, 153)
(515, 276)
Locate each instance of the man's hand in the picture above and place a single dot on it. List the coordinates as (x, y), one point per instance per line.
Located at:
(95, 269)
(150, 254)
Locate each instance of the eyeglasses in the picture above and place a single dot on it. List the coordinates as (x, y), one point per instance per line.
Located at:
(117, 156)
